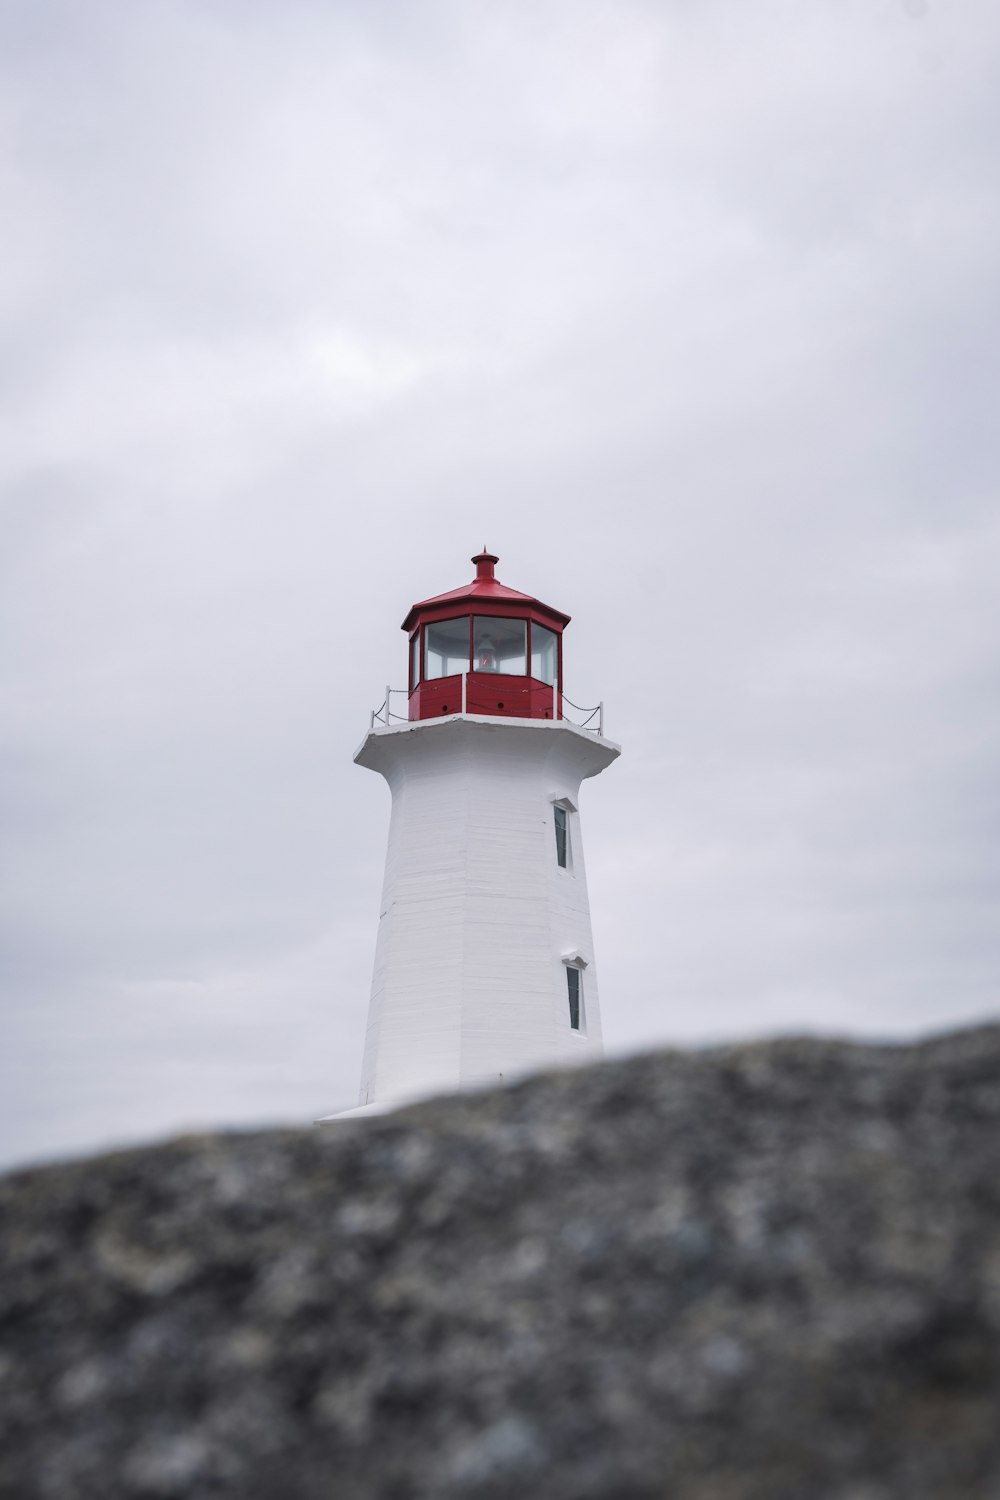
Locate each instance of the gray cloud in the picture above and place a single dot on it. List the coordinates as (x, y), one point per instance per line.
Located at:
(687, 311)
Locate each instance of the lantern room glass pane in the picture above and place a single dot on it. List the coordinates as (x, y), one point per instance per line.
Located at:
(544, 654)
(415, 659)
(446, 648)
(500, 646)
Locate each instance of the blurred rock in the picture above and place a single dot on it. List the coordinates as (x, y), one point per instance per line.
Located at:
(763, 1271)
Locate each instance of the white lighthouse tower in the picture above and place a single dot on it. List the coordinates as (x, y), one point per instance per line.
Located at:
(484, 965)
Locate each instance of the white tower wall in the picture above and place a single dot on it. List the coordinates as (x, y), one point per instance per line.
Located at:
(478, 920)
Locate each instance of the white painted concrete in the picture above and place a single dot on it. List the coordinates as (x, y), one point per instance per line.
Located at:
(478, 921)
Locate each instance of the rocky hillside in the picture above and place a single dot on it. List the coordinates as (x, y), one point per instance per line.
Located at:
(767, 1271)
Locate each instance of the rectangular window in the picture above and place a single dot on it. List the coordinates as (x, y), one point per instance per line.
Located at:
(562, 837)
(415, 660)
(544, 654)
(446, 648)
(500, 646)
(573, 985)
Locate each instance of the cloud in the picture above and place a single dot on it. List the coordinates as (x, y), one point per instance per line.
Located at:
(687, 311)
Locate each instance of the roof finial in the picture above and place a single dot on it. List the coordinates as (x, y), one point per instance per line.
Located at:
(485, 563)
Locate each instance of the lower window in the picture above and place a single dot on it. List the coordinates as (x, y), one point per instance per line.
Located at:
(573, 984)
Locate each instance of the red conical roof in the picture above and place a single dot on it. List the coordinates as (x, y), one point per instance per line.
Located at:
(484, 589)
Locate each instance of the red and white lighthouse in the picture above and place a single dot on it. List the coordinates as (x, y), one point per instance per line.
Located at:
(484, 965)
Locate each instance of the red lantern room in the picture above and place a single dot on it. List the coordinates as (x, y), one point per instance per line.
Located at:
(485, 649)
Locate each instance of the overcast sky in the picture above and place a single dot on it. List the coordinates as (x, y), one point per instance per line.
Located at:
(689, 309)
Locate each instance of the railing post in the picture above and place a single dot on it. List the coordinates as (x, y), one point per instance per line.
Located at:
(371, 721)
(600, 719)
(388, 701)
(465, 687)
(555, 699)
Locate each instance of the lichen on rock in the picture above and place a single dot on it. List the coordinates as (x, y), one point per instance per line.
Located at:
(764, 1271)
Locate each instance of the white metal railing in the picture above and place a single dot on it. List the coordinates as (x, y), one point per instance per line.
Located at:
(385, 715)
(588, 722)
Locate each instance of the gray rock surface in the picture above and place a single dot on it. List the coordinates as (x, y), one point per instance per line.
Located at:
(764, 1271)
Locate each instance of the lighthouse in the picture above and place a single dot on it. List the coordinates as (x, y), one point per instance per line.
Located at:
(484, 962)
